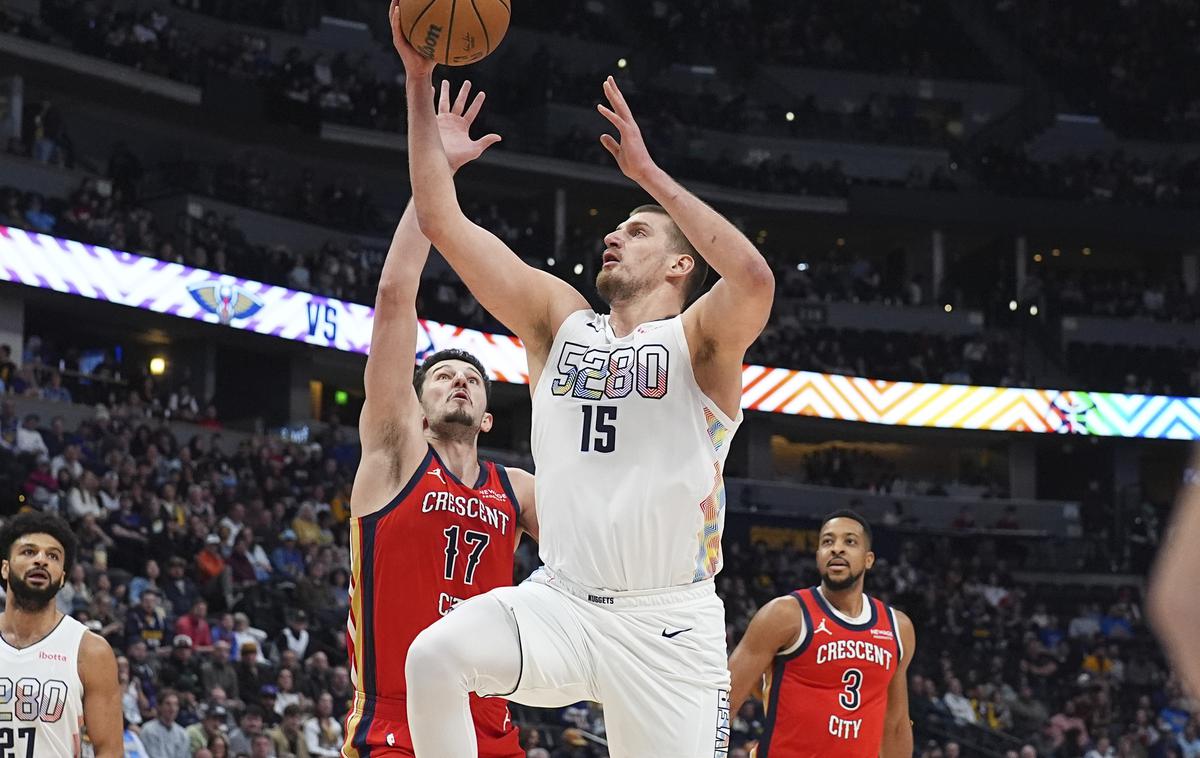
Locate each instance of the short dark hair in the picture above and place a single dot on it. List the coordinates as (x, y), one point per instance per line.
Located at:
(451, 354)
(253, 709)
(695, 281)
(853, 516)
(36, 522)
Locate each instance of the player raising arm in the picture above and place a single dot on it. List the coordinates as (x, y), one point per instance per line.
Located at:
(534, 304)
(431, 524)
(834, 660)
(633, 414)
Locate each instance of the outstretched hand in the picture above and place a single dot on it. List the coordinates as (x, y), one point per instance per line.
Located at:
(454, 125)
(632, 156)
(415, 64)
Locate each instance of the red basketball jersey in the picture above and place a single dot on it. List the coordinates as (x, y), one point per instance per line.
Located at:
(828, 698)
(437, 543)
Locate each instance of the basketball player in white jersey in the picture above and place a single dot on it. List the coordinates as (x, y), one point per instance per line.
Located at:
(633, 413)
(1174, 603)
(56, 677)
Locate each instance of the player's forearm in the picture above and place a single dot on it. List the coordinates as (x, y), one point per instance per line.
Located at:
(745, 677)
(429, 170)
(898, 742)
(725, 248)
(109, 751)
(406, 257)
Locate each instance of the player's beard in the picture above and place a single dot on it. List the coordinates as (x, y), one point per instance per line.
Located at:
(835, 585)
(616, 289)
(30, 599)
(457, 424)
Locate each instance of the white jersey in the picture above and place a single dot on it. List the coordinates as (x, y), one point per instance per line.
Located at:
(630, 455)
(41, 695)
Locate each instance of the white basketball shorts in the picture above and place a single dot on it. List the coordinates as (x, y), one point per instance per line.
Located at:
(656, 660)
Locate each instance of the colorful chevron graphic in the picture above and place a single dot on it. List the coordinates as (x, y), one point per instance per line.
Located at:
(73, 268)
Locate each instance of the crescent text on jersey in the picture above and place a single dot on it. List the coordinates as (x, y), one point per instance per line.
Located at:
(842, 650)
(471, 507)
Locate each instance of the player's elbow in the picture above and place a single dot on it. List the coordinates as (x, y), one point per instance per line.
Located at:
(760, 277)
(437, 223)
(392, 293)
(754, 279)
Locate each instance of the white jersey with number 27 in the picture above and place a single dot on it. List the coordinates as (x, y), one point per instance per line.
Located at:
(629, 455)
(41, 695)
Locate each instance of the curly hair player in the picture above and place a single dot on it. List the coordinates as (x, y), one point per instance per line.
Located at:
(56, 677)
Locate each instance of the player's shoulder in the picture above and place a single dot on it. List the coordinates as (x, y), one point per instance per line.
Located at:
(519, 477)
(784, 611)
(97, 662)
(94, 647)
(904, 624)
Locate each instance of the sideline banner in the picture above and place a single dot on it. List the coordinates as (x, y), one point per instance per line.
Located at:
(73, 268)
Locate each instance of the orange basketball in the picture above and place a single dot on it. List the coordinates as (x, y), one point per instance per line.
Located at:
(454, 32)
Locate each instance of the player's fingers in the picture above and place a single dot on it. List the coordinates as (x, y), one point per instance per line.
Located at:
(476, 105)
(611, 145)
(444, 100)
(394, 19)
(617, 99)
(488, 140)
(612, 117)
(460, 102)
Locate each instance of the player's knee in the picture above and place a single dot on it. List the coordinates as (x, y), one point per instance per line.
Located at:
(430, 661)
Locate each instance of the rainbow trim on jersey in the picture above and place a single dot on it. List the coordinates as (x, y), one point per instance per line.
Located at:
(708, 557)
(718, 433)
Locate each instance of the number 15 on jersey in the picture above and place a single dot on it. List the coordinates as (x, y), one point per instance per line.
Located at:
(608, 374)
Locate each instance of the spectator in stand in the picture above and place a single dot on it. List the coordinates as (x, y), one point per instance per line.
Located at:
(147, 622)
(322, 733)
(194, 626)
(251, 676)
(29, 438)
(287, 558)
(8, 369)
(249, 726)
(288, 736)
(163, 737)
(178, 588)
(180, 672)
(201, 734)
(958, 704)
(211, 569)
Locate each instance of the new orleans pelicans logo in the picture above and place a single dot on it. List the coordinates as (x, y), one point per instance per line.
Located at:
(226, 301)
(1073, 410)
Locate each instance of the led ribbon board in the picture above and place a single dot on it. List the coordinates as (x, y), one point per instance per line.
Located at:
(46, 262)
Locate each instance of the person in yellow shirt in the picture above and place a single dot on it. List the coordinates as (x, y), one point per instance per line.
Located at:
(308, 531)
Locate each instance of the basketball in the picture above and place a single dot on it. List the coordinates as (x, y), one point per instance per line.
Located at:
(455, 32)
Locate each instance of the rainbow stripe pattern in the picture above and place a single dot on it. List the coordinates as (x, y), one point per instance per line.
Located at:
(73, 268)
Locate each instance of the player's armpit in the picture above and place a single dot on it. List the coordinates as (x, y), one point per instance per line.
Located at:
(775, 627)
(897, 727)
(720, 327)
(101, 696)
